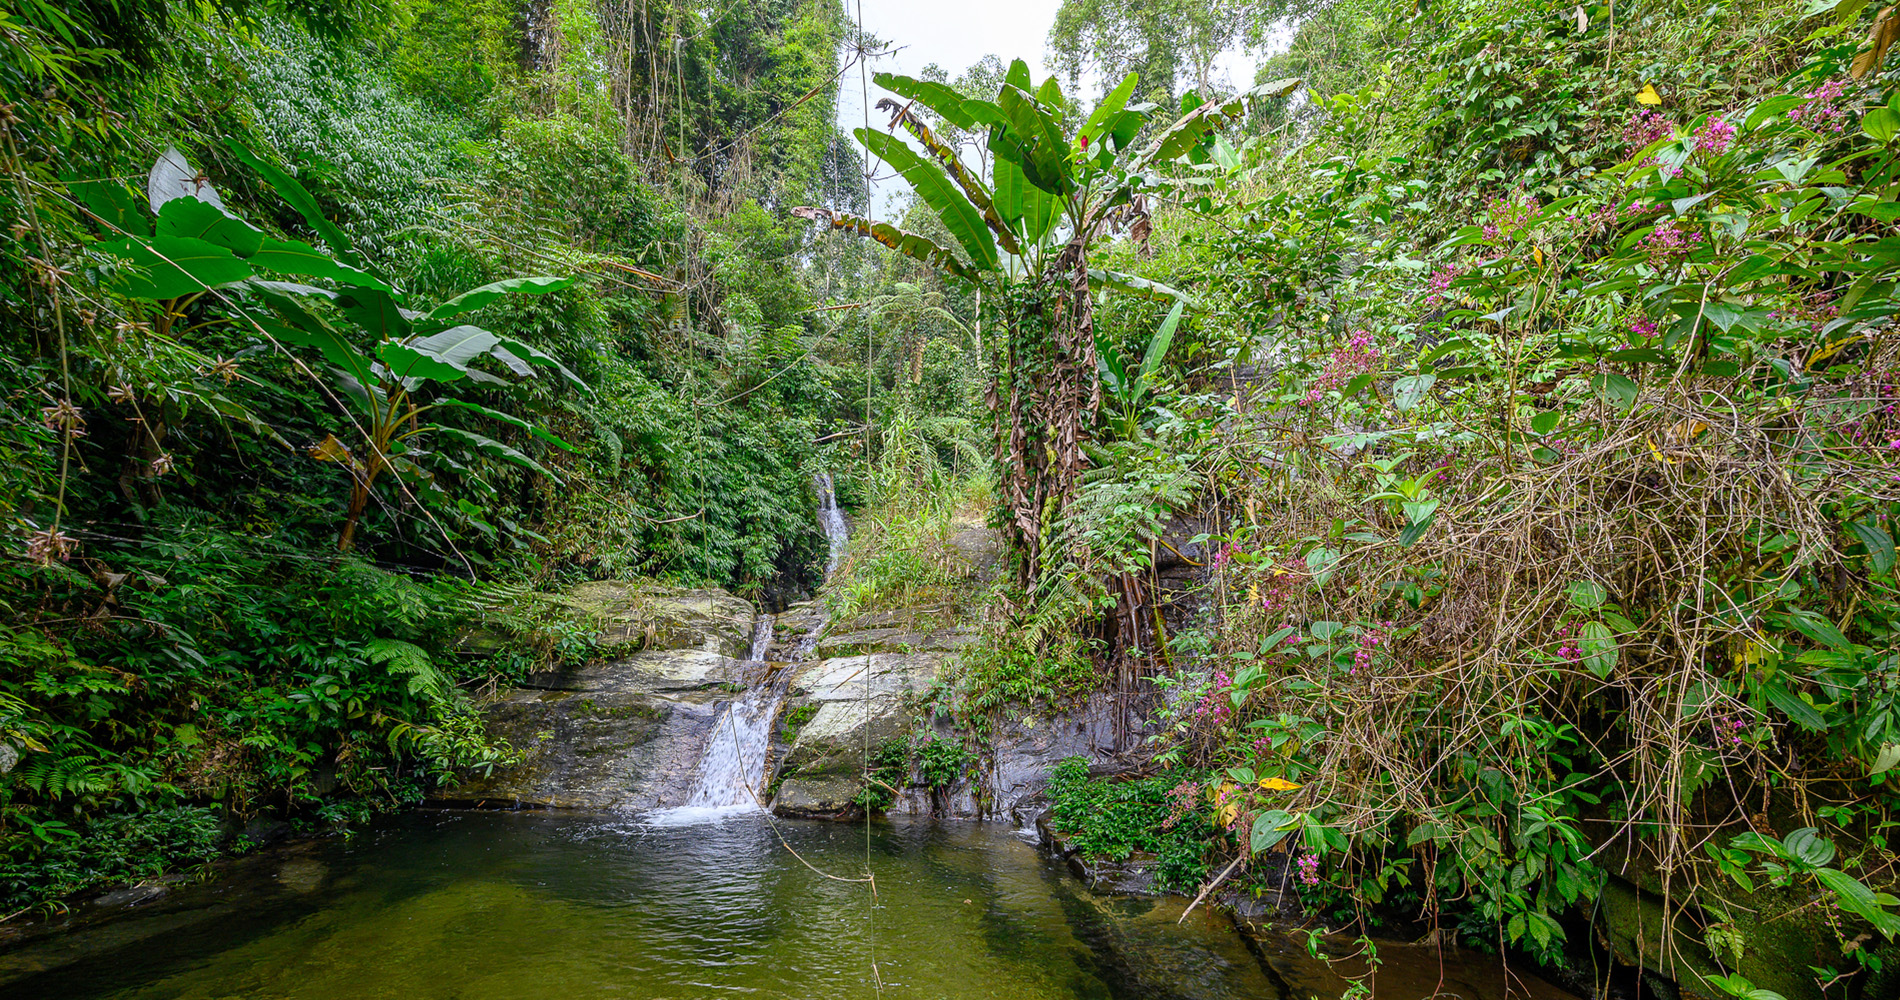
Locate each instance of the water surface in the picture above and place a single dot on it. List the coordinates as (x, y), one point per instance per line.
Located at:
(523, 906)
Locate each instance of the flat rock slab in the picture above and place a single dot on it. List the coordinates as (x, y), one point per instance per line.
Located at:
(644, 615)
(620, 735)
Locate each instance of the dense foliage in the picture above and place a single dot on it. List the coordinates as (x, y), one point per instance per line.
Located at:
(488, 296)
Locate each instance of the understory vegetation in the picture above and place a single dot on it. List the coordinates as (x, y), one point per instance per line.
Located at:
(334, 333)
(1465, 457)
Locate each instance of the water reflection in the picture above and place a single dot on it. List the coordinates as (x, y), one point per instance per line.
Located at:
(498, 906)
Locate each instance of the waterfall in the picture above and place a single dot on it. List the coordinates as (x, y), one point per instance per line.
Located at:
(832, 520)
(734, 766)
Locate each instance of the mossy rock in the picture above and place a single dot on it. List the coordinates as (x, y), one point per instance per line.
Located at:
(638, 615)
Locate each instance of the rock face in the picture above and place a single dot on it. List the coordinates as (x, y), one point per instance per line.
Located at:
(627, 732)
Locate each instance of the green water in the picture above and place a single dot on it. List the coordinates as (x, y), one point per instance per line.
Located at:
(498, 906)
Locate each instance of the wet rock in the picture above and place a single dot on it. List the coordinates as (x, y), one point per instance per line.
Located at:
(817, 797)
(131, 895)
(861, 703)
(646, 615)
(1024, 748)
(303, 875)
(622, 734)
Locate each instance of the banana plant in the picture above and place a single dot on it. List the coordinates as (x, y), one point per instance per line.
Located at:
(1023, 235)
(391, 389)
(1131, 390)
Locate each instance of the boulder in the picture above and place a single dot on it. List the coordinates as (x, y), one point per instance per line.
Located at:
(626, 732)
(646, 615)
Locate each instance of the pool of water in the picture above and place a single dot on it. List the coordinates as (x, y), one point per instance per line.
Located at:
(520, 906)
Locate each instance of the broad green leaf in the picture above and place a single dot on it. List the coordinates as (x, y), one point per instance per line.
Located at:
(1407, 391)
(475, 298)
(1187, 131)
(1145, 287)
(189, 217)
(1881, 125)
(1545, 422)
(376, 311)
(1817, 628)
(1044, 152)
(297, 257)
(1615, 387)
(1793, 706)
(511, 420)
(1587, 595)
(1879, 544)
(443, 357)
(172, 176)
(167, 267)
(116, 206)
(1599, 649)
(940, 98)
(1111, 107)
(1269, 829)
(300, 199)
(953, 209)
(1163, 338)
(492, 448)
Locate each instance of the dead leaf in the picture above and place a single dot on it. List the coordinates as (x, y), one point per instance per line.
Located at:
(1880, 37)
(1583, 19)
(330, 450)
(1648, 95)
(1278, 785)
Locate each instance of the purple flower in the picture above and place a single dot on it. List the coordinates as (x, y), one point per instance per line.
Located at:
(1823, 112)
(1309, 868)
(1715, 136)
(1671, 242)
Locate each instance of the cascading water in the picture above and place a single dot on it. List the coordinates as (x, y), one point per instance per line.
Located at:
(732, 770)
(832, 520)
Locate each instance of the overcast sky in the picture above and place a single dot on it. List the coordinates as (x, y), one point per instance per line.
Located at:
(954, 34)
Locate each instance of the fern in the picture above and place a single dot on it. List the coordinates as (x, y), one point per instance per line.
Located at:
(412, 661)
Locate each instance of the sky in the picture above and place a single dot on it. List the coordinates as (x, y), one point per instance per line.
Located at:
(953, 34)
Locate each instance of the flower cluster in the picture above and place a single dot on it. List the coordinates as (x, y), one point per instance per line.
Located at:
(1642, 327)
(49, 546)
(1823, 112)
(1728, 730)
(1670, 242)
(1369, 643)
(1570, 651)
(161, 465)
(1282, 584)
(1440, 285)
(1360, 355)
(1509, 217)
(1614, 214)
(1309, 868)
(1222, 557)
(64, 417)
(1715, 136)
(1181, 801)
(1215, 706)
(1646, 127)
(1815, 310)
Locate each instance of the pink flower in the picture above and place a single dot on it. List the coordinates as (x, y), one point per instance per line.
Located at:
(1441, 284)
(1823, 113)
(1360, 355)
(1309, 868)
(50, 545)
(1671, 242)
(1643, 326)
(1715, 136)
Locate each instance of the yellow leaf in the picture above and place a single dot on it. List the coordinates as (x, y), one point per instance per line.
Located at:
(1278, 785)
(1657, 452)
(1539, 251)
(330, 450)
(1648, 95)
